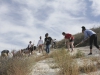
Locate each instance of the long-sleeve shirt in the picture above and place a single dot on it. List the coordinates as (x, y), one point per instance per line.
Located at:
(88, 33)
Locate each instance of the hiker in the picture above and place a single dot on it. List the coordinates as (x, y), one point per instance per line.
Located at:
(30, 47)
(16, 53)
(47, 42)
(40, 44)
(4, 53)
(91, 35)
(69, 40)
(54, 43)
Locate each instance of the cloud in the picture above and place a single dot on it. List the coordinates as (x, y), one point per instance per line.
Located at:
(25, 20)
(96, 7)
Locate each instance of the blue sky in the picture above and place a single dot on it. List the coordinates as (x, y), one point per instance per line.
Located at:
(25, 20)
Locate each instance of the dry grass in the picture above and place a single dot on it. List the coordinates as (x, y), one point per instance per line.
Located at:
(19, 64)
(62, 60)
(79, 54)
(69, 66)
(16, 66)
(88, 68)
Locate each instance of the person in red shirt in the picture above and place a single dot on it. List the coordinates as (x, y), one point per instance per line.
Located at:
(69, 40)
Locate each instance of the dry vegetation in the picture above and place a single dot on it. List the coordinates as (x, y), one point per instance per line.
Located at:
(69, 65)
(66, 63)
(18, 65)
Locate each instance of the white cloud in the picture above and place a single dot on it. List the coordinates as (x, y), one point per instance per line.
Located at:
(25, 20)
(96, 7)
(3, 9)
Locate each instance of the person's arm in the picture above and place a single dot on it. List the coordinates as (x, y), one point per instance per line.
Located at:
(51, 40)
(82, 42)
(45, 41)
(42, 42)
(38, 43)
(66, 40)
(86, 36)
(28, 46)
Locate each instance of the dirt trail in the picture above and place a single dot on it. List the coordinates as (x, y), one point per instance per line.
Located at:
(43, 68)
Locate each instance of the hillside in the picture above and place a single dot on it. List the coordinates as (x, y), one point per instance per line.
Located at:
(79, 37)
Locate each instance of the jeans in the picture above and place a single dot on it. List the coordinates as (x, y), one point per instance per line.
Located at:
(47, 48)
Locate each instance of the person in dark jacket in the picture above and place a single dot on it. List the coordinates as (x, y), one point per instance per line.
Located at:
(47, 42)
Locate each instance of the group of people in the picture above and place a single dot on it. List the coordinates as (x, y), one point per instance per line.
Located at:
(88, 34)
(69, 40)
(47, 41)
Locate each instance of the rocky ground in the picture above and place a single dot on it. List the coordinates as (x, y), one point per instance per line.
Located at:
(43, 67)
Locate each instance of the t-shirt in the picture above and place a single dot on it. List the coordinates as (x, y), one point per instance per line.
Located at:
(29, 46)
(48, 40)
(40, 42)
(68, 36)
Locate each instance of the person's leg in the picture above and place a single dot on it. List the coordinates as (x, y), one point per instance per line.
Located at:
(39, 48)
(72, 46)
(68, 45)
(95, 42)
(91, 42)
(42, 48)
(48, 48)
(29, 52)
(55, 45)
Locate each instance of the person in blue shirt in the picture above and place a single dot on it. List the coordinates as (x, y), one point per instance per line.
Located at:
(91, 35)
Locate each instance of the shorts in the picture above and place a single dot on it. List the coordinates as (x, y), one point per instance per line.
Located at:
(40, 46)
(71, 40)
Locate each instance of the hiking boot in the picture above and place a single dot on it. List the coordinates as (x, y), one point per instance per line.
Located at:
(90, 54)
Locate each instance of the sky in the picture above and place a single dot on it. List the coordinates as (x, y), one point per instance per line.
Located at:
(22, 21)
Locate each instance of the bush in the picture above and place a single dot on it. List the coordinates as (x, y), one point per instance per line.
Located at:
(16, 66)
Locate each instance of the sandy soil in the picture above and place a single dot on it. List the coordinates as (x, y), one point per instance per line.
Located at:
(43, 67)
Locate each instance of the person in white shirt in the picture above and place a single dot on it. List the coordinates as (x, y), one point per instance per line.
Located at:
(40, 44)
(30, 47)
